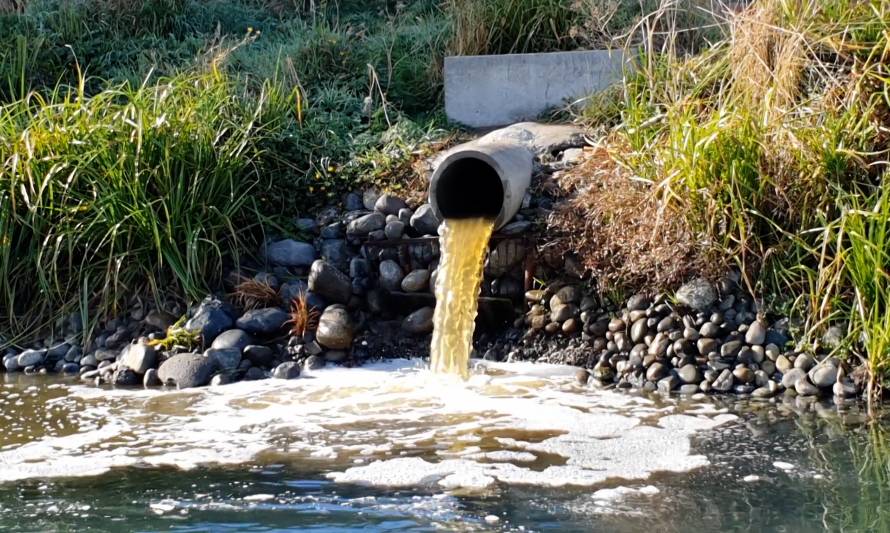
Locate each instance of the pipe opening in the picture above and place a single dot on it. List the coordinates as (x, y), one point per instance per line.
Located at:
(468, 188)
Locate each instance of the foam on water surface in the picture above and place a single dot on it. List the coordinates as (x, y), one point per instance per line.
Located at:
(389, 424)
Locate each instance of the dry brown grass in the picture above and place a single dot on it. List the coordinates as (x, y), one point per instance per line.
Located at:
(303, 318)
(622, 232)
(250, 293)
(767, 55)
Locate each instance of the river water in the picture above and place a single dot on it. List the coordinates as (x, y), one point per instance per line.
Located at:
(393, 447)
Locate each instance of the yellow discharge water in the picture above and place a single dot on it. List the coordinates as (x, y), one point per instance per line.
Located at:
(462, 243)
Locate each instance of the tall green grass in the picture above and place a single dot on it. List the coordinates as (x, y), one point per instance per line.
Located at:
(134, 190)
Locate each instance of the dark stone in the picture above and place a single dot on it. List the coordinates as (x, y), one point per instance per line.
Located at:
(233, 338)
(287, 370)
(424, 220)
(329, 282)
(335, 328)
(259, 355)
(225, 358)
(187, 370)
(290, 253)
(210, 319)
(267, 321)
(125, 377)
(419, 322)
(139, 358)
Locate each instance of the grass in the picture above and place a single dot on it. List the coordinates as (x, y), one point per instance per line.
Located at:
(771, 145)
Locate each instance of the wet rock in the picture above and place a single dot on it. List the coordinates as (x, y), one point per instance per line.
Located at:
(225, 358)
(70, 369)
(656, 371)
(416, 281)
(266, 321)
(139, 358)
(723, 382)
(233, 338)
(668, 383)
(31, 358)
(391, 275)
(334, 230)
(756, 333)
(659, 345)
(335, 328)
(329, 282)
(314, 362)
(706, 345)
(419, 322)
(691, 388)
(210, 319)
(804, 362)
(254, 374)
(187, 370)
(335, 356)
(151, 379)
(259, 355)
(824, 375)
(424, 220)
(389, 204)
(104, 354)
(790, 378)
(286, 370)
(783, 364)
(698, 294)
(730, 349)
(290, 253)
(224, 378)
(743, 375)
(689, 374)
(710, 330)
(364, 225)
(125, 377)
(10, 363)
(394, 229)
(57, 351)
(805, 388)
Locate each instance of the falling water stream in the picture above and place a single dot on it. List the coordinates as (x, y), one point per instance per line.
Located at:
(463, 245)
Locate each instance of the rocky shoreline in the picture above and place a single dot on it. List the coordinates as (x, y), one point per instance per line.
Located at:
(354, 284)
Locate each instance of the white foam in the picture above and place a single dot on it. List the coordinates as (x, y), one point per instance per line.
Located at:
(391, 424)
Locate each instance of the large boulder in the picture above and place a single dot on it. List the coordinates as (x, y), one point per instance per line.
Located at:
(424, 220)
(290, 253)
(31, 358)
(187, 370)
(210, 319)
(335, 328)
(139, 358)
(266, 321)
(328, 282)
(233, 338)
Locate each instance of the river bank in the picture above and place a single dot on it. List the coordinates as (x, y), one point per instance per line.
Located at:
(358, 287)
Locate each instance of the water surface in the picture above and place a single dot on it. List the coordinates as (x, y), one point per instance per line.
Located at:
(394, 448)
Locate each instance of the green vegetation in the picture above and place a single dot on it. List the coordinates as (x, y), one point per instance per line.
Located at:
(145, 143)
(771, 146)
